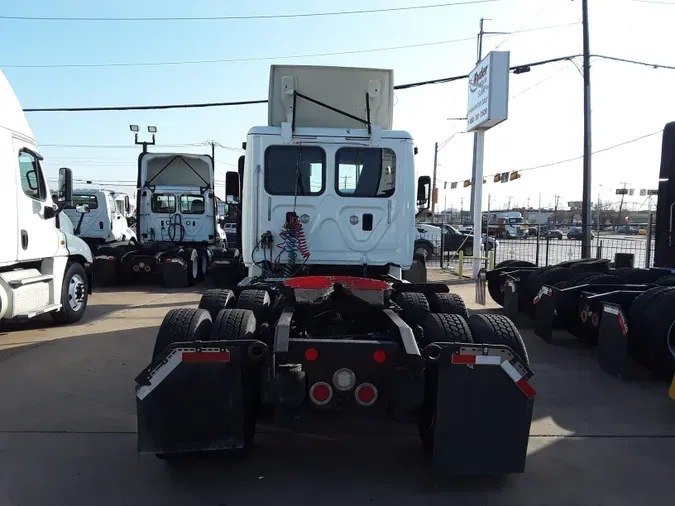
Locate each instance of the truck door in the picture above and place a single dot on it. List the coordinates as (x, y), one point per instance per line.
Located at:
(38, 236)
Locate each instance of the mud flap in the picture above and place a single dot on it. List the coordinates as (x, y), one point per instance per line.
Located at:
(192, 400)
(484, 405)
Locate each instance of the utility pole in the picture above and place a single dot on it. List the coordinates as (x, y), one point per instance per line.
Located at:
(586, 198)
(618, 218)
(461, 211)
(555, 209)
(508, 208)
(476, 134)
(433, 183)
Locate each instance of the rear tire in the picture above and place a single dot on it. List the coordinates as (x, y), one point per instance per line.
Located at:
(233, 325)
(498, 329)
(446, 328)
(182, 325)
(216, 299)
(414, 307)
(257, 301)
(74, 295)
(449, 303)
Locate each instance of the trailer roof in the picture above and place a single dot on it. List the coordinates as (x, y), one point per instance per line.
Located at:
(11, 114)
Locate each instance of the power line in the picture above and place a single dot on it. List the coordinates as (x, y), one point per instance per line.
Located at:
(253, 16)
(636, 62)
(269, 58)
(560, 162)
(125, 146)
(658, 2)
(255, 102)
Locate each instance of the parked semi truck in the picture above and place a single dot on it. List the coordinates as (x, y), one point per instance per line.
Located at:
(104, 228)
(335, 328)
(178, 235)
(44, 268)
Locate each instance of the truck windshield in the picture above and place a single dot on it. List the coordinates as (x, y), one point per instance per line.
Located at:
(294, 170)
(365, 172)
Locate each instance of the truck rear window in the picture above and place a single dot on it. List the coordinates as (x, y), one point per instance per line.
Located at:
(295, 170)
(192, 204)
(365, 172)
(163, 204)
(79, 200)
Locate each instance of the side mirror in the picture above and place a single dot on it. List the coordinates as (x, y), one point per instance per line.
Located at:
(423, 192)
(82, 209)
(232, 184)
(64, 196)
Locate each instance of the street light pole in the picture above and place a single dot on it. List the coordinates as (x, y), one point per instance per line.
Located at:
(433, 183)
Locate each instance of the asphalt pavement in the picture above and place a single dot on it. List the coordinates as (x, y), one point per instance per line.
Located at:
(67, 432)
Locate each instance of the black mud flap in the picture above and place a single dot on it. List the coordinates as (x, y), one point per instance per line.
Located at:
(511, 297)
(174, 272)
(105, 271)
(191, 399)
(484, 404)
(545, 319)
(224, 273)
(613, 353)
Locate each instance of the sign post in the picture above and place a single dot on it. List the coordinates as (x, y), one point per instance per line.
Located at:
(487, 107)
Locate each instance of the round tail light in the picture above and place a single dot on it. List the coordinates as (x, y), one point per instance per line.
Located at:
(366, 394)
(321, 393)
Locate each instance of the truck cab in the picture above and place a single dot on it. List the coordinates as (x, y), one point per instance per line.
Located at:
(328, 183)
(106, 221)
(43, 268)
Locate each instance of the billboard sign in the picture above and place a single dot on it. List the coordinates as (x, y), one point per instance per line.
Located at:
(488, 92)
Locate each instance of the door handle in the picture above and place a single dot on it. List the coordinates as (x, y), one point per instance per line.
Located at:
(24, 240)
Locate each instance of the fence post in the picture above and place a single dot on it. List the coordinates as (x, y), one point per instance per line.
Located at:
(460, 268)
(599, 252)
(648, 249)
(536, 261)
(442, 248)
(491, 260)
(548, 241)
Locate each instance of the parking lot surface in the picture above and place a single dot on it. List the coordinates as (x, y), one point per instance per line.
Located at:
(67, 431)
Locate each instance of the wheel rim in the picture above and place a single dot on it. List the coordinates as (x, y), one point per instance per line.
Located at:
(76, 292)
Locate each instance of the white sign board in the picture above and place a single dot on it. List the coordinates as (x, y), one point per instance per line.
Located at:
(489, 92)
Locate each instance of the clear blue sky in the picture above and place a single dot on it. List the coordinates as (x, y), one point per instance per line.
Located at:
(545, 110)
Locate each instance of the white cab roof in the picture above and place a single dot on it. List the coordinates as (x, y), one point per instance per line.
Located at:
(11, 113)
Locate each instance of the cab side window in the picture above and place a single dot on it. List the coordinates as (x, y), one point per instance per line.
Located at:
(31, 177)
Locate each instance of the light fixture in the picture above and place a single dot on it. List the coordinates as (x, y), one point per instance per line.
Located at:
(133, 128)
(152, 129)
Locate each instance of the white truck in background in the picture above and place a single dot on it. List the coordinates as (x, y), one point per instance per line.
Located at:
(104, 228)
(43, 267)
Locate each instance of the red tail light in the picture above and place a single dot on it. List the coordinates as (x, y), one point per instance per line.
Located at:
(379, 356)
(311, 354)
(595, 319)
(321, 393)
(136, 268)
(147, 268)
(366, 394)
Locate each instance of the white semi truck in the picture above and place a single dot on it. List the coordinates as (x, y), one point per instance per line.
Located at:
(326, 334)
(44, 268)
(104, 228)
(179, 236)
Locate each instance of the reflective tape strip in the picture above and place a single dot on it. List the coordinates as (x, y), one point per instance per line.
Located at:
(519, 380)
(160, 374)
(173, 360)
(206, 356)
(476, 359)
(506, 366)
